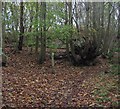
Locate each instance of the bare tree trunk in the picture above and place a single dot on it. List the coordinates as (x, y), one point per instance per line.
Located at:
(11, 7)
(43, 34)
(0, 55)
(1, 26)
(17, 20)
(94, 15)
(20, 44)
(100, 25)
(37, 36)
(76, 17)
(30, 29)
(31, 20)
(66, 22)
(102, 21)
(94, 22)
(118, 21)
(71, 34)
(118, 30)
(107, 34)
(87, 14)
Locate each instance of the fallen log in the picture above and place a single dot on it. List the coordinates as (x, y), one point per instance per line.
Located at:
(59, 56)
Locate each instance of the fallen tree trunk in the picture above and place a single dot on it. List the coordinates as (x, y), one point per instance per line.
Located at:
(59, 56)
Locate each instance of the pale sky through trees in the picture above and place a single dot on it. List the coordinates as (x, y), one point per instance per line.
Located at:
(61, 0)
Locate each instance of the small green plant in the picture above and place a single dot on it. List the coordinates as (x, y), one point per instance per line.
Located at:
(102, 94)
(107, 84)
(103, 99)
(115, 69)
(115, 103)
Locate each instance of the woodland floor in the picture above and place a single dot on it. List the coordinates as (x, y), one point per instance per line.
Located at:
(27, 84)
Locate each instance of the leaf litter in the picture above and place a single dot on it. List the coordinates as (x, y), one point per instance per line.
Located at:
(25, 83)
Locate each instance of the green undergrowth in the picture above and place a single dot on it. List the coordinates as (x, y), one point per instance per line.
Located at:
(106, 90)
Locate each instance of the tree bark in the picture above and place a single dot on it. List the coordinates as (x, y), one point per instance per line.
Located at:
(3, 26)
(118, 21)
(71, 24)
(37, 36)
(87, 14)
(76, 17)
(0, 54)
(102, 21)
(12, 13)
(94, 15)
(20, 43)
(107, 34)
(66, 22)
(43, 34)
